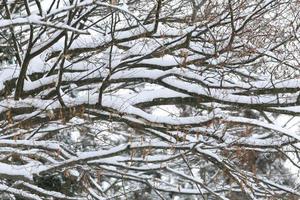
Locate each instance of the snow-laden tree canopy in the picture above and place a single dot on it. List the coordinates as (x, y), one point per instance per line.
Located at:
(157, 99)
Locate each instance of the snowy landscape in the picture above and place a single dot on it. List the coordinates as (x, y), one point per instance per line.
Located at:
(149, 99)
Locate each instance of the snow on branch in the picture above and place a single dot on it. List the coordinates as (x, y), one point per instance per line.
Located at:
(149, 99)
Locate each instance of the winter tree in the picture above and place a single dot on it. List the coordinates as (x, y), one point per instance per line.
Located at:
(149, 99)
